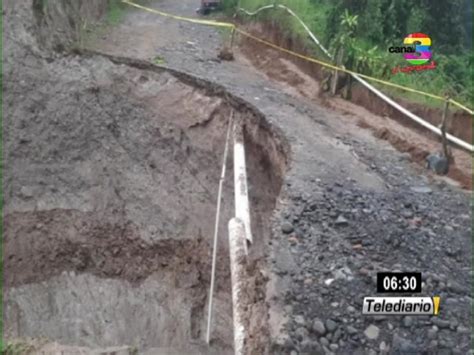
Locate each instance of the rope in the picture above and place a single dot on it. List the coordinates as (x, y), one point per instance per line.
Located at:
(216, 228)
(384, 97)
(310, 59)
(328, 65)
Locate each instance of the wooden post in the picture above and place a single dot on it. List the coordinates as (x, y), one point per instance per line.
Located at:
(443, 129)
(237, 8)
(339, 54)
(346, 94)
(232, 36)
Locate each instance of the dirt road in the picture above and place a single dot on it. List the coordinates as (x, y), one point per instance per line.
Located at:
(332, 202)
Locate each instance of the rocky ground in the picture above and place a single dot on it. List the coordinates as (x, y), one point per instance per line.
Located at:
(340, 235)
(350, 206)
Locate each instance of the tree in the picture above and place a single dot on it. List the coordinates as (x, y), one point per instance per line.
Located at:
(444, 23)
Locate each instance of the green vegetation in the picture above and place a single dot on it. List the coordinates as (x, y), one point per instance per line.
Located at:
(159, 60)
(115, 11)
(17, 348)
(380, 24)
(44, 3)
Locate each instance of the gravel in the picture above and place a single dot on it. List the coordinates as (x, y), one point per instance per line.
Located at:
(318, 327)
(408, 321)
(287, 227)
(397, 229)
(331, 325)
(372, 332)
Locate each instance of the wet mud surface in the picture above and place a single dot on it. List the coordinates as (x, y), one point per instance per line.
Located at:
(111, 185)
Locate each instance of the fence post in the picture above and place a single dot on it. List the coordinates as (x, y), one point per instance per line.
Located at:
(443, 130)
(339, 56)
(232, 37)
(237, 8)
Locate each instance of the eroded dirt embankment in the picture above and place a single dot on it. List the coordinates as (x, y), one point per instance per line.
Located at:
(303, 78)
(351, 206)
(110, 191)
(459, 125)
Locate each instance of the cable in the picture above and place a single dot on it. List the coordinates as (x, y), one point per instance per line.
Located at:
(216, 229)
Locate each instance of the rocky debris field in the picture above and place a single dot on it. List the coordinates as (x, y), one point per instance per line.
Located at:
(340, 235)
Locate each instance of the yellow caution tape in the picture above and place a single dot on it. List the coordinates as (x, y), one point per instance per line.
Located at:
(462, 106)
(328, 65)
(187, 19)
(295, 54)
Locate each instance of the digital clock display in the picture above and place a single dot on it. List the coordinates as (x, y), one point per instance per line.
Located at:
(399, 282)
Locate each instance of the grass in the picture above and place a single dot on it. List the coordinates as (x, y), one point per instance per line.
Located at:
(159, 60)
(18, 347)
(116, 12)
(316, 15)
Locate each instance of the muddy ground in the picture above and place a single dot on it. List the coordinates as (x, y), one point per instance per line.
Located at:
(111, 170)
(303, 80)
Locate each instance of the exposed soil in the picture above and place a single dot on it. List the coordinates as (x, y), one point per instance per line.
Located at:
(407, 136)
(112, 170)
(58, 240)
(460, 124)
(111, 194)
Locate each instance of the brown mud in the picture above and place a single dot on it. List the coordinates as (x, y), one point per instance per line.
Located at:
(111, 197)
(110, 190)
(303, 79)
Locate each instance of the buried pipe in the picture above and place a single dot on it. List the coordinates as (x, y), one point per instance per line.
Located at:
(237, 251)
(242, 209)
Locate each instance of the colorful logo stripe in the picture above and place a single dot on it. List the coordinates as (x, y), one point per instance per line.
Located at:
(422, 48)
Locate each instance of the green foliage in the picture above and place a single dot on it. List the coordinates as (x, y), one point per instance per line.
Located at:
(17, 348)
(389, 21)
(349, 23)
(379, 25)
(159, 60)
(444, 23)
(116, 11)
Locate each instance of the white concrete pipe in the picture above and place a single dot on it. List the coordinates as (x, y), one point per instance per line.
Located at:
(242, 209)
(237, 253)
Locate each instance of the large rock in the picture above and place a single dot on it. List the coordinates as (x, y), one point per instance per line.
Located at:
(287, 227)
(437, 163)
(318, 327)
(372, 332)
(331, 325)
